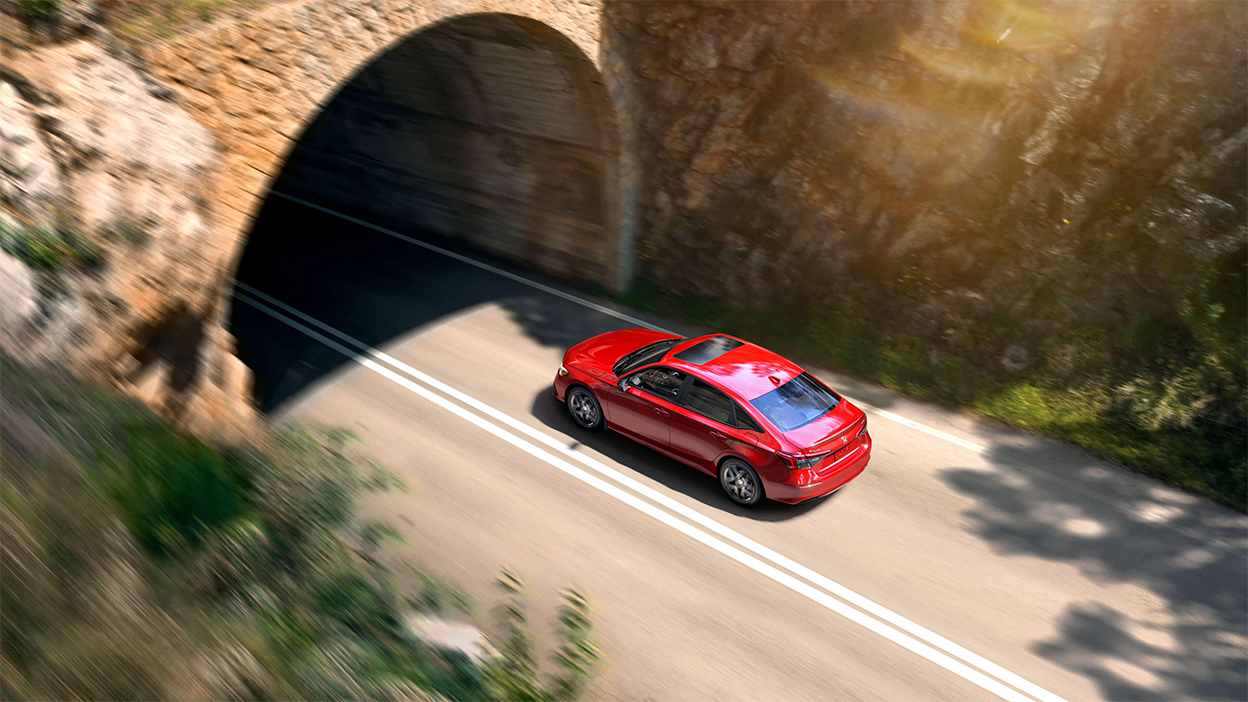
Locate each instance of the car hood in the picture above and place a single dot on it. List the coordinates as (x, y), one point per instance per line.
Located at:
(824, 434)
(596, 355)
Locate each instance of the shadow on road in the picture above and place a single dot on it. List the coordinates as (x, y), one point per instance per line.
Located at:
(377, 288)
(654, 465)
(1039, 499)
(373, 287)
(1196, 646)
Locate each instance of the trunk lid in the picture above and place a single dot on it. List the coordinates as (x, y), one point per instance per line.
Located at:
(829, 432)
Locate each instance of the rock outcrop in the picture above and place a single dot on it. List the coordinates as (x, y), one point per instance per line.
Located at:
(1021, 168)
(29, 179)
(93, 151)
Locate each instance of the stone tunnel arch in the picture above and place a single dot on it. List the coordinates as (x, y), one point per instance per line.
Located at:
(493, 130)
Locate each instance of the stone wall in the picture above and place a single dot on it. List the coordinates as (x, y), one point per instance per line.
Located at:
(258, 83)
(1009, 171)
(489, 129)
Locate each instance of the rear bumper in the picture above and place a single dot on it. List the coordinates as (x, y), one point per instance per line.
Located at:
(792, 494)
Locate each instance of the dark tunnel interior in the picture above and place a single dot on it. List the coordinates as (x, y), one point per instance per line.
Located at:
(490, 134)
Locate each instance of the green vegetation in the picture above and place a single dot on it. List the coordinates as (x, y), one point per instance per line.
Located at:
(130, 231)
(1166, 400)
(50, 249)
(139, 563)
(138, 21)
(35, 9)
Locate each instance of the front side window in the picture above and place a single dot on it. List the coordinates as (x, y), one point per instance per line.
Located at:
(797, 403)
(709, 402)
(664, 382)
(644, 355)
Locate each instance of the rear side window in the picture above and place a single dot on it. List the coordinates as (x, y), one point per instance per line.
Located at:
(709, 402)
(745, 421)
(663, 382)
(797, 403)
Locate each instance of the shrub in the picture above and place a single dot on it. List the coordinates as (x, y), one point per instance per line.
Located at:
(173, 569)
(35, 9)
(50, 250)
(173, 490)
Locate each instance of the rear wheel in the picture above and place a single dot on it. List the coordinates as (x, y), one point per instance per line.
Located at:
(740, 482)
(585, 409)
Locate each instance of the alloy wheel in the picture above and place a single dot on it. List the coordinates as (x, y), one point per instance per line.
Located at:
(584, 408)
(739, 482)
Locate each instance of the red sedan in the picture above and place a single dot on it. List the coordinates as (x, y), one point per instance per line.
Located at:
(757, 421)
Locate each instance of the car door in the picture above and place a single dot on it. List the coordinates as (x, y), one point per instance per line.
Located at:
(703, 428)
(642, 405)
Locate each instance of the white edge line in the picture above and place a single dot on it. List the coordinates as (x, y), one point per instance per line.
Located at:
(831, 586)
(480, 264)
(1217, 542)
(969, 445)
(977, 448)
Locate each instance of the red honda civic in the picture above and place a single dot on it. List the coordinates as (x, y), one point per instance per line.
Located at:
(725, 406)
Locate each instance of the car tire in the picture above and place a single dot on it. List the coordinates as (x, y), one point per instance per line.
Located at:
(585, 409)
(740, 482)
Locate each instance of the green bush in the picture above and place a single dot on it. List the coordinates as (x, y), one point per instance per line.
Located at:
(173, 490)
(1169, 399)
(140, 563)
(50, 250)
(35, 9)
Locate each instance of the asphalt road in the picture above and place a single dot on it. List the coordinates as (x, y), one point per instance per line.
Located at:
(970, 561)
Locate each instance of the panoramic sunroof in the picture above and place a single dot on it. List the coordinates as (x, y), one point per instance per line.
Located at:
(708, 350)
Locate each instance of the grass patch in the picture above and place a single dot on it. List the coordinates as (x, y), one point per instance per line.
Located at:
(1207, 458)
(50, 250)
(136, 22)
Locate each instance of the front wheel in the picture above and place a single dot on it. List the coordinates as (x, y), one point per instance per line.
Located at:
(585, 409)
(740, 482)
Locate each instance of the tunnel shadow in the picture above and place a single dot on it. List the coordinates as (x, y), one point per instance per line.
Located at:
(659, 468)
(375, 288)
(484, 132)
(1048, 501)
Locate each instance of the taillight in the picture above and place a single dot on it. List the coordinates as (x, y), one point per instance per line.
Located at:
(863, 430)
(804, 463)
(800, 462)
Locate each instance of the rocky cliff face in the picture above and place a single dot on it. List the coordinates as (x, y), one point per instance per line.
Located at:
(1027, 169)
(1057, 187)
(105, 183)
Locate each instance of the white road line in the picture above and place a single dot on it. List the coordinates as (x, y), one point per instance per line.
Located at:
(969, 445)
(977, 448)
(917, 639)
(1216, 542)
(479, 264)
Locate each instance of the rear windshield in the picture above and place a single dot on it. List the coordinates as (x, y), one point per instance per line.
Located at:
(797, 403)
(644, 355)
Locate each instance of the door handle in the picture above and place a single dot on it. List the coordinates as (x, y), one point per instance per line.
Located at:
(661, 412)
(719, 434)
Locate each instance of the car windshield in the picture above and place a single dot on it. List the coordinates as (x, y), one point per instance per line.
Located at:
(797, 403)
(644, 355)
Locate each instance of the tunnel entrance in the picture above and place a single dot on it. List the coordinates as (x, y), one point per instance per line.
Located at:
(492, 133)
(492, 130)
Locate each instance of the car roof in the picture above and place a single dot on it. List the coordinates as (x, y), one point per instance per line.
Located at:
(745, 369)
